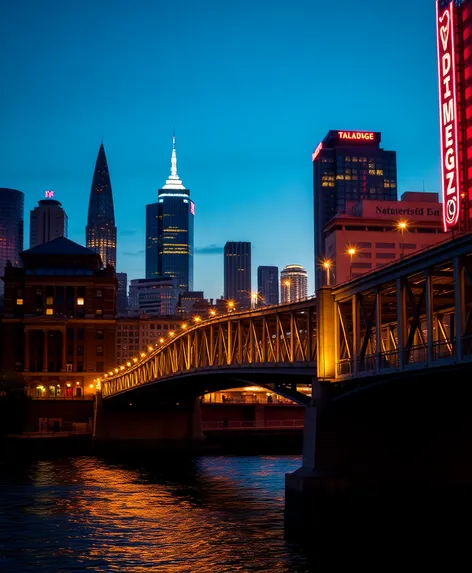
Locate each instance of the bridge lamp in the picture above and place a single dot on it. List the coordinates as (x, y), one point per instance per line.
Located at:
(212, 312)
(254, 298)
(161, 340)
(402, 226)
(128, 364)
(230, 305)
(351, 251)
(327, 264)
(111, 372)
(122, 367)
(184, 326)
(116, 370)
(171, 333)
(92, 386)
(143, 354)
(197, 318)
(150, 348)
(135, 359)
(105, 375)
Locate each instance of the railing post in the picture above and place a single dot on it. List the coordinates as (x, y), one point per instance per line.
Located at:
(429, 314)
(459, 305)
(401, 322)
(229, 352)
(378, 328)
(355, 334)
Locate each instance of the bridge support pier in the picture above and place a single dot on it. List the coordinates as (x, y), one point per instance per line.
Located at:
(135, 424)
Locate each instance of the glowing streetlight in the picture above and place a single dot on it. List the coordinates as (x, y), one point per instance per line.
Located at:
(254, 299)
(351, 251)
(326, 264)
(212, 312)
(184, 326)
(128, 364)
(402, 226)
(161, 340)
(143, 354)
(197, 319)
(230, 305)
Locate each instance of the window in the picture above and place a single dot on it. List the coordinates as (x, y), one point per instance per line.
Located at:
(409, 245)
(364, 245)
(49, 311)
(385, 245)
(99, 351)
(99, 312)
(80, 350)
(385, 255)
(80, 301)
(99, 293)
(49, 300)
(361, 265)
(99, 335)
(99, 366)
(19, 301)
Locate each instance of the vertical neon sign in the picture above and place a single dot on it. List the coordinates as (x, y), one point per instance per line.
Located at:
(448, 120)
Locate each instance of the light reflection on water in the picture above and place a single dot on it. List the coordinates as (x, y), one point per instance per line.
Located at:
(210, 514)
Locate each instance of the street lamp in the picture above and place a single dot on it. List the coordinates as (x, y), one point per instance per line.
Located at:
(254, 298)
(230, 305)
(402, 226)
(351, 251)
(326, 264)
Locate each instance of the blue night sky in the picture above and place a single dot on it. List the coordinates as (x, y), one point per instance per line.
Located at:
(251, 86)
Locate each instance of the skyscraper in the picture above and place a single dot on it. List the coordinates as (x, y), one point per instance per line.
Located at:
(101, 230)
(48, 221)
(293, 283)
(122, 294)
(348, 166)
(11, 230)
(268, 285)
(237, 268)
(169, 231)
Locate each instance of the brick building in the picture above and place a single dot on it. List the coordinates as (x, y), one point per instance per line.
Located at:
(59, 323)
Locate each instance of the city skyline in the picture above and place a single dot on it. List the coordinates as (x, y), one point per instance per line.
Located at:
(251, 154)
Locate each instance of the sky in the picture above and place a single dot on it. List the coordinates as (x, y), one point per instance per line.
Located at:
(251, 87)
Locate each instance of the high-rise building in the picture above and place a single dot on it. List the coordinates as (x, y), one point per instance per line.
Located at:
(101, 230)
(12, 204)
(122, 294)
(349, 165)
(48, 221)
(454, 32)
(169, 231)
(153, 296)
(268, 285)
(237, 273)
(293, 283)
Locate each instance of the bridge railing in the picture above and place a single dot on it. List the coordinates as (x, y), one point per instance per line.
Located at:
(243, 424)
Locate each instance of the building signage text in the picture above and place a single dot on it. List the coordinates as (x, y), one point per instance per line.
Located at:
(448, 119)
(412, 212)
(357, 135)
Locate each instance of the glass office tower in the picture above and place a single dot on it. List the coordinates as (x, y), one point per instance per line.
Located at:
(12, 204)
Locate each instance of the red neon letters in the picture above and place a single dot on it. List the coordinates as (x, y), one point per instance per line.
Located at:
(357, 135)
(448, 119)
(315, 153)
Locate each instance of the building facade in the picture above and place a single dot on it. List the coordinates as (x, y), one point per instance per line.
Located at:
(101, 229)
(375, 233)
(59, 319)
(454, 33)
(12, 205)
(267, 285)
(138, 334)
(153, 296)
(237, 273)
(170, 230)
(122, 294)
(349, 166)
(48, 221)
(293, 283)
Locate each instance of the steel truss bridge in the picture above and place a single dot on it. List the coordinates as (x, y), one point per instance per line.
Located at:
(415, 313)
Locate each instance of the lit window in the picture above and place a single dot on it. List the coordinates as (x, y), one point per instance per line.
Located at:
(19, 301)
(49, 311)
(379, 172)
(99, 311)
(49, 300)
(80, 301)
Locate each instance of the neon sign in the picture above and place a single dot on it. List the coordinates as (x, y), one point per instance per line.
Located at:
(49, 194)
(315, 153)
(448, 119)
(357, 135)
(192, 207)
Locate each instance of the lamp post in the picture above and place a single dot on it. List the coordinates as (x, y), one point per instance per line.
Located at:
(351, 252)
(230, 305)
(402, 227)
(327, 266)
(254, 299)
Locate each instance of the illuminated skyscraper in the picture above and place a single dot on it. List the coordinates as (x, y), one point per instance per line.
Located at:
(11, 230)
(169, 231)
(293, 283)
(48, 221)
(237, 268)
(268, 285)
(101, 230)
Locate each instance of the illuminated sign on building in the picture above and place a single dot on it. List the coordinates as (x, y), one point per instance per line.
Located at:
(317, 151)
(49, 194)
(448, 120)
(192, 207)
(357, 135)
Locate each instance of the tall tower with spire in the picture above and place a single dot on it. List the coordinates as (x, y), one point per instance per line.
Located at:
(101, 231)
(169, 231)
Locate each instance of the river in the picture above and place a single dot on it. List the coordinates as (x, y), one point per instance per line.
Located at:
(208, 514)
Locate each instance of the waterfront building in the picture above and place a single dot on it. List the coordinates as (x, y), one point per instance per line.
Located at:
(454, 32)
(153, 296)
(268, 285)
(101, 229)
(12, 204)
(371, 234)
(169, 231)
(293, 283)
(48, 221)
(140, 333)
(237, 273)
(187, 301)
(59, 319)
(349, 166)
(122, 294)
